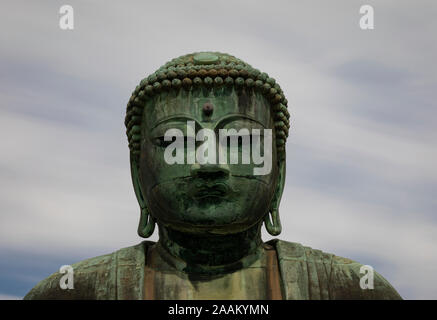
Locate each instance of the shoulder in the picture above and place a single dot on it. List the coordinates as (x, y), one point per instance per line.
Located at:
(84, 277)
(347, 277)
(313, 274)
(95, 278)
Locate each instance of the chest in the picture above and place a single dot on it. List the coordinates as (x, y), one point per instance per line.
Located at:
(259, 281)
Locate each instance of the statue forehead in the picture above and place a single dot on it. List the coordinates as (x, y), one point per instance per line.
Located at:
(166, 107)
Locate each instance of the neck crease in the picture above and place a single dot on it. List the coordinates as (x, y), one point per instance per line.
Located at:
(209, 254)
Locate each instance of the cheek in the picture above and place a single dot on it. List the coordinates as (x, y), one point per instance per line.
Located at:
(154, 170)
(254, 197)
(169, 199)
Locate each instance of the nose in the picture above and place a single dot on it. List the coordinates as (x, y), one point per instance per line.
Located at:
(210, 171)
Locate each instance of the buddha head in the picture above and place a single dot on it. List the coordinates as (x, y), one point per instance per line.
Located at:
(202, 95)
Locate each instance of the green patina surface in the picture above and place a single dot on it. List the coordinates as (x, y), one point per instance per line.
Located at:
(209, 216)
(306, 274)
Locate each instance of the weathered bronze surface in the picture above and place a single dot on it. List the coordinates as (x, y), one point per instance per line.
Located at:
(210, 216)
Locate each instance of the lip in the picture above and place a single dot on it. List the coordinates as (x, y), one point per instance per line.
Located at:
(205, 190)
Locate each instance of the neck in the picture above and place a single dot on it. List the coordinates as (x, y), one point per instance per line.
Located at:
(210, 254)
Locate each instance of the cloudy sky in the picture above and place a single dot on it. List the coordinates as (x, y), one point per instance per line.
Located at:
(361, 173)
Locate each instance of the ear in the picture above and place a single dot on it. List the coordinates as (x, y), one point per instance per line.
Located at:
(279, 186)
(147, 223)
(134, 169)
(274, 227)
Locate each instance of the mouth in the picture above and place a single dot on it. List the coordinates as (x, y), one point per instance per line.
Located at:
(208, 190)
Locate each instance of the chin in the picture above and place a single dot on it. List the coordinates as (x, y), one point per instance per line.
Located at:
(209, 230)
(215, 224)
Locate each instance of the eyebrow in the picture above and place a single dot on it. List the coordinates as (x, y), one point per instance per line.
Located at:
(235, 116)
(221, 122)
(181, 118)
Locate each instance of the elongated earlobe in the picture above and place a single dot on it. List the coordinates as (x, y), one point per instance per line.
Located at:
(147, 223)
(273, 224)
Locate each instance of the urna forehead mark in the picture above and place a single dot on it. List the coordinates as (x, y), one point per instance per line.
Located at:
(207, 109)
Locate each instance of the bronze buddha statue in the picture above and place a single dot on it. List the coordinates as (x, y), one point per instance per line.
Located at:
(210, 214)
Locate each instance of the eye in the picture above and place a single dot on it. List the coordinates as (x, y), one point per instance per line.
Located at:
(160, 142)
(242, 140)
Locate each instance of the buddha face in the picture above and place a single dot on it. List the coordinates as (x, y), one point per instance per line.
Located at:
(205, 198)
